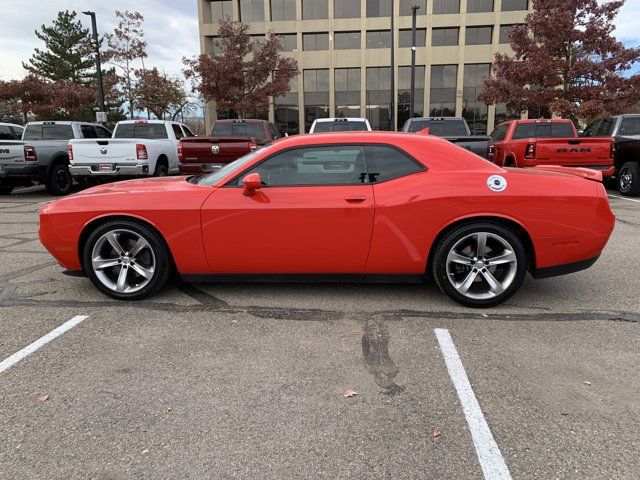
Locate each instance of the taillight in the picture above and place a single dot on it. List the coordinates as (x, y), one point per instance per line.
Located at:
(491, 152)
(530, 152)
(612, 150)
(70, 152)
(180, 154)
(30, 154)
(141, 152)
(253, 146)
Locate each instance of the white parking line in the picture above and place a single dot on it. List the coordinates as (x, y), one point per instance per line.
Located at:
(489, 456)
(28, 350)
(624, 198)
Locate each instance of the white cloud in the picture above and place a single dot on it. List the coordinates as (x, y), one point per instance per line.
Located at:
(171, 29)
(627, 23)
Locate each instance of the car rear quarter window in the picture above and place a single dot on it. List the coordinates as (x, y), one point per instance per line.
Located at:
(102, 132)
(500, 133)
(630, 126)
(238, 129)
(340, 126)
(387, 163)
(6, 133)
(314, 166)
(177, 131)
(57, 132)
(88, 131)
(150, 131)
(605, 129)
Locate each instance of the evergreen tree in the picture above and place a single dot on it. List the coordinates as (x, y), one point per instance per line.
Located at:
(67, 55)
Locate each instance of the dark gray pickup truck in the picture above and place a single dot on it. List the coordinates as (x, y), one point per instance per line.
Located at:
(452, 129)
(625, 130)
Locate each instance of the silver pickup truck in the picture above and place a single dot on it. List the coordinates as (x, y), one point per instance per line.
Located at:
(41, 156)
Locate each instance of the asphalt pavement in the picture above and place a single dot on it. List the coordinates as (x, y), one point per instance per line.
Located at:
(247, 381)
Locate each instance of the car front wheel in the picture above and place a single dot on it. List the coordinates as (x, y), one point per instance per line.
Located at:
(480, 264)
(126, 260)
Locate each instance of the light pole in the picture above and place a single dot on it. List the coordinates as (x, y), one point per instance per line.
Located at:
(413, 60)
(100, 116)
(392, 115)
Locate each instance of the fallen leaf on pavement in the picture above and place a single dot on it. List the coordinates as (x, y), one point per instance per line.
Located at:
(349, 393)
(587, 383)
(437, 432)
(166, 410)
(43, 398)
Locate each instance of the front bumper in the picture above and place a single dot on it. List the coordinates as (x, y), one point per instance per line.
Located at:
(94, 170)
(21, 171)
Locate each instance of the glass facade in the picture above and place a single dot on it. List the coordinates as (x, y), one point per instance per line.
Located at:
(252, 10)
(347, 92)
(406, 7)
(346, 41)
(220, 9)
(446, 6)
(286, 110)
(283, 10)
(379, 39)
(289, 41)
(475, 6)
(378, 8)
(405, 40)
(346, 8)
(447, 36)
(444, 80)
(404, 93)
(316, 95)
(479, 35)
(378, 97)
(315, 41)
(475, 111)
(315, 9)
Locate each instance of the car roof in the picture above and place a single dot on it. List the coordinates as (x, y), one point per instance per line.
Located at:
(240, 120)
(340, 119)
(142, 121)
(11, 125)
(540, 120)
(436, 118)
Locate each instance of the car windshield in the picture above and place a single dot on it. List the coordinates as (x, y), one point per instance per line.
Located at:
(212, 178)
(440, 128)
(340, 126)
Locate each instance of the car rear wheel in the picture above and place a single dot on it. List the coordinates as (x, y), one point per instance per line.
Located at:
(629, 179)
(59, 181)
(161, 170)
(480, 264)
(126, 260)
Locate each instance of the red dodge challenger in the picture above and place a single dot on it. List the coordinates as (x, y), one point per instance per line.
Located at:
(355, 206)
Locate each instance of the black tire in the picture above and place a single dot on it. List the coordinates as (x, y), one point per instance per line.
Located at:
(59, 182)
(161, 170)
(452, 238)
(162, 268)
(6, 187)
(629, 179)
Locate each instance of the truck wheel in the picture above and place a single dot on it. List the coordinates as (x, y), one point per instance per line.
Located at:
(59, 181)
(6, 188)
(480, 264)
(161, 170)
(629, 179)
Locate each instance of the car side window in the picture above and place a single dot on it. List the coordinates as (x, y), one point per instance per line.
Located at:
(6, 133)
(605, 129)
(187, 132)
(313, 166)
(88, 131)
(500, 133)
(102, 132)
(387, 163)
(177, 131)
(591, 129)
(274, 131)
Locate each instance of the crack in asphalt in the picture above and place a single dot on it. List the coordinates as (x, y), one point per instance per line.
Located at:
(375, 352)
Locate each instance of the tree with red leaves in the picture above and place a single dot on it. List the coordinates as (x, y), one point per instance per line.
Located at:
(160, 93)
(26, 95)
(245, 75)
(567, 61)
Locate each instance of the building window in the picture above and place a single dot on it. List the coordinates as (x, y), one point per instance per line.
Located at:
(315, 9)
(221, 9)
(475, 111)
(504, 33)
(378, 8)
(475, 6)
(346, 9)
(259, 38)
(283, 10)
(405, 39)
(315, 41)
(441, 37)
(252, 10)
(479, 35)
(379, 39)
(217, 46)
(446, 6)
(503, 114)
(346, 41)
(286, 110)
(513, 5)
(406, 7)
(316, 95)
(347, 92)
(289, 41)
(444, 84)
(379, 97)
(404, 94)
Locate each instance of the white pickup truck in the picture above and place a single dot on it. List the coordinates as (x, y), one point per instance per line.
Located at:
(137, 148)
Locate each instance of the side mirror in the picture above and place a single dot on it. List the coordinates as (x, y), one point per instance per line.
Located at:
(251, 182)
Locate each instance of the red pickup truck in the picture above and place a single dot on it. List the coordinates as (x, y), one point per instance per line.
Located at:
(229, 140)
(527, 143)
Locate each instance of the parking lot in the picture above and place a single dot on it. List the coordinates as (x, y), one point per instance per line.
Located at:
(247, 381)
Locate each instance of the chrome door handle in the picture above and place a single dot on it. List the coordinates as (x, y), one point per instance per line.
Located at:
(356, 199)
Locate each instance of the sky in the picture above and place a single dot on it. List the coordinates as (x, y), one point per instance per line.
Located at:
(171, 28)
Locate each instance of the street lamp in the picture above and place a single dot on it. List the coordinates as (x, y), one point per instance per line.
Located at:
(413, 60)
(101, 115)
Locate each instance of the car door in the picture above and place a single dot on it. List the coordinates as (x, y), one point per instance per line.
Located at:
(313, 215)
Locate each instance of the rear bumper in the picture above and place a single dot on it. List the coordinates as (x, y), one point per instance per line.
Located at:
(21, 171)
(564, 269)
(606, 170)
(199, 168)
(118, 171)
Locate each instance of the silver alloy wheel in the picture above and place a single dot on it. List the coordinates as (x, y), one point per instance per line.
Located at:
(626, 178)
(123, 261)
(481, 265)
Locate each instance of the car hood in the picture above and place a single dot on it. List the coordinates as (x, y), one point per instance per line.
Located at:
(143, 185)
